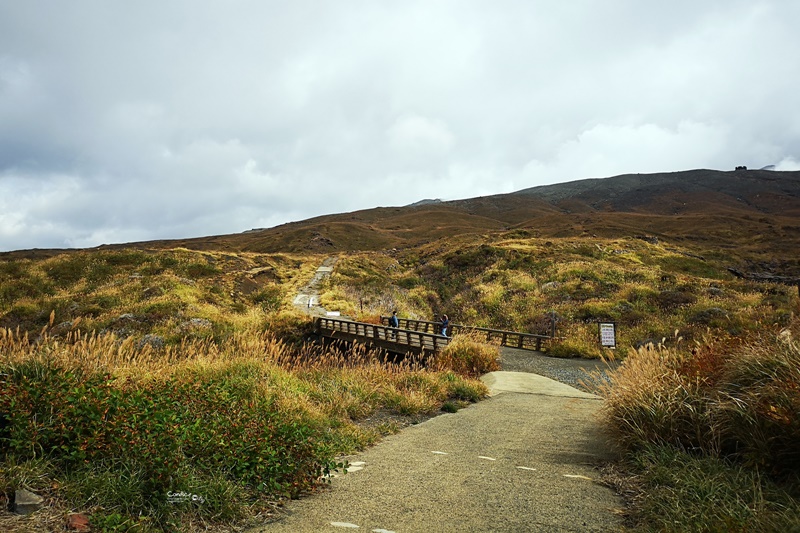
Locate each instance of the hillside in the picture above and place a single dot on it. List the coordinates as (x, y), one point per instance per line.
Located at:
(760, 207)
(756, 213)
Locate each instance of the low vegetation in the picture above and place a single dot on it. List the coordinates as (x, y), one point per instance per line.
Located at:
(711, 431)
(174, 390)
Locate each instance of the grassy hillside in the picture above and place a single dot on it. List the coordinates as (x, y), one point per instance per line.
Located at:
(656, 292)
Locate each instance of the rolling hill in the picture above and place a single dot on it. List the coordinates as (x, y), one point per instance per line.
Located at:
(756, 213)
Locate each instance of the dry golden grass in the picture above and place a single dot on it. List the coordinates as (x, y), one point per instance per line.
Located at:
(468, 354)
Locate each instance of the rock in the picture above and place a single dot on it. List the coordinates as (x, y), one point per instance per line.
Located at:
(150, 292)
(78, 522)
(551, 285)
(154, 341)
(716, 292)
(26, 502)
(647, 238)
(200, 323)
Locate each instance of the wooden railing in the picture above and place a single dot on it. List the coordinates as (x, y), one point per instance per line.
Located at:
(512, 339)
(381, 336)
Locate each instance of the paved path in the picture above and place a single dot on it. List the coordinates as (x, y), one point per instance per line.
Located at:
(522, 460)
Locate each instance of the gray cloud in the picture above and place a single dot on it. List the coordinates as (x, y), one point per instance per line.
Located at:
(176, 119)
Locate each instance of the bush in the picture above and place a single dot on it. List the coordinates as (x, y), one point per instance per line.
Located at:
(759, 403)
(650, 400)
(290, 327)
(671, 299)
(468, 356)
(127, 444)
(740, 403)
(269, 298)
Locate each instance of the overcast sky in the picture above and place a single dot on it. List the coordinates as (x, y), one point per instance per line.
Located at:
(126, 121)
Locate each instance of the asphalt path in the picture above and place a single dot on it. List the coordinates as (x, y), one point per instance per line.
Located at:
(525, 459)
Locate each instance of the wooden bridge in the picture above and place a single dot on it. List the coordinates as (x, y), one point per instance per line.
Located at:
(393, 340)
(512, 339)
(418, 336)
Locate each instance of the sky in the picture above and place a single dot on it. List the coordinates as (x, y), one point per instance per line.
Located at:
(134, 121)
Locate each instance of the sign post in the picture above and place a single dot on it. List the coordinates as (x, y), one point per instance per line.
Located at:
(608, 334)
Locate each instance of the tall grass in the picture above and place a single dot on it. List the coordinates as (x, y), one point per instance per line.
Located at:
(468, 354)
(712, 430)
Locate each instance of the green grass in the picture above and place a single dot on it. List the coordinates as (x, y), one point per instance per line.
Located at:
(649, 291)
(681, 492)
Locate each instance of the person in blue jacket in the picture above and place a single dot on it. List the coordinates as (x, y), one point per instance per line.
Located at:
(445, 324)
(394, 322)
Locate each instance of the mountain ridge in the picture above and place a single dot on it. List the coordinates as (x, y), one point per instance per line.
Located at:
(759, 208)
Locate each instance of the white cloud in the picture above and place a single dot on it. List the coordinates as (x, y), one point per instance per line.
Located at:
(606, 150)
(788, 163)
(415, 135)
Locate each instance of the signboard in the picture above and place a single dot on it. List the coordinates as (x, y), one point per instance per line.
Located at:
(608, 334)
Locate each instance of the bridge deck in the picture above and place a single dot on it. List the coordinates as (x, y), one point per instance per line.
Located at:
(398, 340)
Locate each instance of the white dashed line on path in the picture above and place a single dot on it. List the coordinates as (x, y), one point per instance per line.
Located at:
(575, 476)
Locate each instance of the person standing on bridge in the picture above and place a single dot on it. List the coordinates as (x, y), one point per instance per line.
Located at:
(394, 323)
(445, 324)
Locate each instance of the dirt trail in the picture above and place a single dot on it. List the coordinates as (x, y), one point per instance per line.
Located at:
(307, 299)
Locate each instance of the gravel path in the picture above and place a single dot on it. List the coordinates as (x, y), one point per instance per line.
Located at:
(582, 374)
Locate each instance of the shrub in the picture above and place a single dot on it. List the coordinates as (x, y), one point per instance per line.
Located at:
(742, 403)
(269, 298)
(290, 326)
(67, 270)
(199, 270)
(650, 400)
(125, 444)
(672, 299)
(759, 405)
(467, 355)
